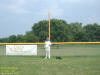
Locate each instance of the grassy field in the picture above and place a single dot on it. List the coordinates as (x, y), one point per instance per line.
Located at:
(29, 65)
(77, 60)
(72, 50)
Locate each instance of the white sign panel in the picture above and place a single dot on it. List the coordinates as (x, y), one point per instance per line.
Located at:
(21, 49)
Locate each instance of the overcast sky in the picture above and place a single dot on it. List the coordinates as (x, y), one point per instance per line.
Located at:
(18, 16)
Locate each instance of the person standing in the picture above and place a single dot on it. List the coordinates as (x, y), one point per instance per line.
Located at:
(47, 48)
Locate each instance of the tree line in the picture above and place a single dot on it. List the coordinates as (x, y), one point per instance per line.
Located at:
(61, 31)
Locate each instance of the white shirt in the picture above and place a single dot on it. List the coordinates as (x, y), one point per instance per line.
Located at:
(47, 44)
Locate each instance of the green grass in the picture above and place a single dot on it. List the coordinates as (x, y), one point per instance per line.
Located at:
(72, 50)
(77, 60)
(66, 50)
(30, 65)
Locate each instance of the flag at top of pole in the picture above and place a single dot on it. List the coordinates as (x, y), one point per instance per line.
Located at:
(49, 25)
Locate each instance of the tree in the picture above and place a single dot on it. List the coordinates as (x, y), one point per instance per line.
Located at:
(3, 40)
(81, 36)
(12, 39)
(59, 30)
(78, 32)
(30, 37)
(40, 29)
(92, 32)
(97, 33)
(20, 38)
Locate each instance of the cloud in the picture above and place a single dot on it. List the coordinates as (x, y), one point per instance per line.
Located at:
(57, 8)
(17, 9)
(78, 1)
(93, 19)
(24, 13)
(54, 10)
(14, 6)
(45, 6)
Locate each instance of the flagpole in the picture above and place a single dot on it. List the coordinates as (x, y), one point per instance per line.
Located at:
(49, 25)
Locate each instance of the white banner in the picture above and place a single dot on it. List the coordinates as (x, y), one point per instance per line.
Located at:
(21, 49)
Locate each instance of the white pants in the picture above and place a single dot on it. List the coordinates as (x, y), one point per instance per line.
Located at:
(47, 50)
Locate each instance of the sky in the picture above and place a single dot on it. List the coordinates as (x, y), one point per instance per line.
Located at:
(18, 16)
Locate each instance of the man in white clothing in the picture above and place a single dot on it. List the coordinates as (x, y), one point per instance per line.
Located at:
(47, 48)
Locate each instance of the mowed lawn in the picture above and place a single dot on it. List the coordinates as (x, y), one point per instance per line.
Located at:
(35, 65)
(76, 60)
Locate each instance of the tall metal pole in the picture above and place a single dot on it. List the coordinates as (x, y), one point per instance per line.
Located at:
(49, 24)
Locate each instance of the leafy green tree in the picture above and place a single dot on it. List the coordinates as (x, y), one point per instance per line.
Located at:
(78, 32)
(20, 38)
(97, 33)
(93, 32)
(59, 30)
(3, 40)
(12, 39)
(40, 29)
(81, 36)
(30, 37)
